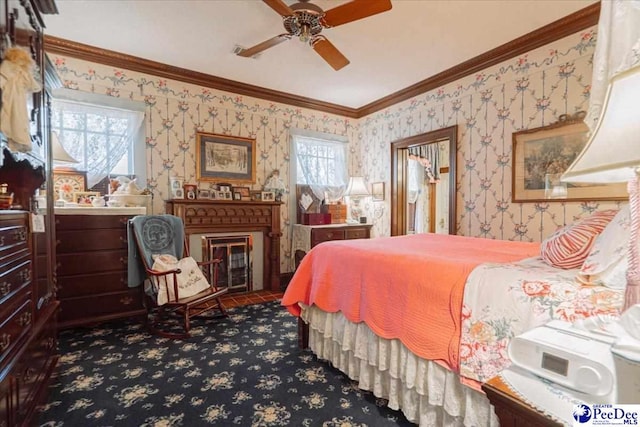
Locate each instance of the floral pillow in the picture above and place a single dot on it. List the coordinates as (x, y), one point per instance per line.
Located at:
(607, 262)
(570, 245)
(190, 279)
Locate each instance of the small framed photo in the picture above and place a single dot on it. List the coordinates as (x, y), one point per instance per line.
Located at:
(268, 196)
(83, 198)
(220, 195)
(237, 195)
(228, 195)
(224, 187)
(175, 187)
(256, 196)
(204, 194)
(190, 191)
(245, 192)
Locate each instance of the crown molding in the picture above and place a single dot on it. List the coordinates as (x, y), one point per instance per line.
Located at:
(566, 26)
(112, 58)
(570, 24)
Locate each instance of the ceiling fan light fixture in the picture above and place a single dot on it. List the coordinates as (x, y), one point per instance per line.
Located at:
(305, 33)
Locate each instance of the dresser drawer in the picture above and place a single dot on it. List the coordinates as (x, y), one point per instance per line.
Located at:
(91, 262)
(13, 240)
(325, 234)
(35, 367)
(92, 284)
(357, 233)
(84, 310)
(15, 326)
(74, 241)
(13, 278)
(90, 222)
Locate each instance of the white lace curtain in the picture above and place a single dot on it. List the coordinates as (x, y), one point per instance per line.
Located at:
(322, 165)
(96, 136)
(617, 50)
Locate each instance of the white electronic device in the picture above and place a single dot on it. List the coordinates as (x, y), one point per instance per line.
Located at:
(577, 359)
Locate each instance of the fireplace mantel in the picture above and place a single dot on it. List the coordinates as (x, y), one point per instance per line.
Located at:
(218, 216)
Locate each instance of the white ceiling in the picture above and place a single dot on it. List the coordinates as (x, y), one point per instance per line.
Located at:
(388, 52)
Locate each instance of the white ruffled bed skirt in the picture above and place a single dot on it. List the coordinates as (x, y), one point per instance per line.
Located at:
(427, 393)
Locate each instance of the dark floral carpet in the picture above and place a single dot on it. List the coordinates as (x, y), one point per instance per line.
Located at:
(242, 370)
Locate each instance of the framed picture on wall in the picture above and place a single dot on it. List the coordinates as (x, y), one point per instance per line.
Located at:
(541, 155)
(225, 158)
(377, 191)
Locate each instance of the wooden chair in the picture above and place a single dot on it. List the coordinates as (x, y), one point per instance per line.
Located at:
(158, 234)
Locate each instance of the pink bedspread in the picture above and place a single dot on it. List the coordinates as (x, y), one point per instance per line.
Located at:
(404, 287)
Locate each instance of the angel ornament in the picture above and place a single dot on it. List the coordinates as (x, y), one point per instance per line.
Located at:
(17, 80)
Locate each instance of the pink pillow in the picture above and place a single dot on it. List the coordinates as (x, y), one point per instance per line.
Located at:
(570, 245)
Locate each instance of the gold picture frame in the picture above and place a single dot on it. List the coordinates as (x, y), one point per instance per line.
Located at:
(225, 158)
(83, 198)
(542, 154)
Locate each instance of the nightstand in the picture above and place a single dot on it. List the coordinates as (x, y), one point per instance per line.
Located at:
(511, 411)
(306, 237)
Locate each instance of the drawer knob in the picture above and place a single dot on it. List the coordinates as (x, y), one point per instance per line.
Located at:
(5, 341)
(5, 288)
(329, 235)
(123, 220)
(126, 300)
(20, 235)
(25, 275)
(124, 260)
(24, 319)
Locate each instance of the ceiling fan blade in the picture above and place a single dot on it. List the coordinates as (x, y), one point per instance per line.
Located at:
(330, 53)
(279, 6)
(263, 46)
(354, 10)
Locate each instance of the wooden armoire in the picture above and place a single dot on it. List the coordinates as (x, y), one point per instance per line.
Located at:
(28, 305)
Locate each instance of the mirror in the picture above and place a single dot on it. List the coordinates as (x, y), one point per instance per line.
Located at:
(423, 183)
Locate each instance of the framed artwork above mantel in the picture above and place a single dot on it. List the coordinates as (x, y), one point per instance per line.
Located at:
(225, 158)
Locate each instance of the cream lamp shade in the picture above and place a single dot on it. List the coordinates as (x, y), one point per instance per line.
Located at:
(59, 154)
(356, 187)
(612, 153)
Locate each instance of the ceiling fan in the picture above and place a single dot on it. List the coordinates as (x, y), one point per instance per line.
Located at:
(306, 20)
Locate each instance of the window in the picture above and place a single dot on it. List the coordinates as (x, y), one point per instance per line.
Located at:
(102, 139)
(320, 162)
(319, 170)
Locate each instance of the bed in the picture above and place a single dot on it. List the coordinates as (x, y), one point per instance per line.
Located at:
(423, 320)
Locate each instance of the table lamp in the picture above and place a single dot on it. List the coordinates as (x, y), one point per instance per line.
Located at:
(58, 153)
(612, 154)
(60, 156)
(356, 191)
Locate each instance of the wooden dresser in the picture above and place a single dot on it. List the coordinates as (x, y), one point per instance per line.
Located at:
(306, 237)
(91, 245)
(28, 328)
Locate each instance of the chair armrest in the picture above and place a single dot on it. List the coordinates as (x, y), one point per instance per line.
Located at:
(162, 273)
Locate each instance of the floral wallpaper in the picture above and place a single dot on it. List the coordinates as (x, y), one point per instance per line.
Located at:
(175, 111)
(525, 92)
